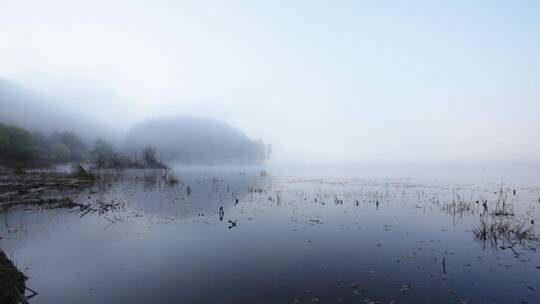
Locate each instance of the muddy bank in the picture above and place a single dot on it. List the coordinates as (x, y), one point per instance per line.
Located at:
(12, 282)
(50, 189)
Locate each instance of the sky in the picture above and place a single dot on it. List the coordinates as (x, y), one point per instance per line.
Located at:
(323, 81)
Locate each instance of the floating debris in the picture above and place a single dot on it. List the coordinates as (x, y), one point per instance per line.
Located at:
(406, 287)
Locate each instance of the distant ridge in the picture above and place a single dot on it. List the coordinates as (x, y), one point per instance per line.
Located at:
(196, 140)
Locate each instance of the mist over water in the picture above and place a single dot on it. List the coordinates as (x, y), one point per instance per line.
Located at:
(269, 152)
(522, 174)
(324, 83)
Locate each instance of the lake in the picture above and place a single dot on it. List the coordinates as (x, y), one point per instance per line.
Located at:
(248, 235)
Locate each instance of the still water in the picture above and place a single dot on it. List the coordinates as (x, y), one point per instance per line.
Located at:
(283, 238)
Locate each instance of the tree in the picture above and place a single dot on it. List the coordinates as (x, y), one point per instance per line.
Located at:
(39, 139)
(41, 145)
(103, 153)
(16, 145)
(4, 142)
(76, 146)
(60, 153)
(268, 151)
(149, 155)
(262, 151)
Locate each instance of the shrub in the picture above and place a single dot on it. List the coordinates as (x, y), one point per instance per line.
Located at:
(60, 153)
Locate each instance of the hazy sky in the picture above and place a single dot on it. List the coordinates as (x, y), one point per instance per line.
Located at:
(323, 81)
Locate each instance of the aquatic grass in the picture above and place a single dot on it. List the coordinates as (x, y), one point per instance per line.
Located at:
(505, 233)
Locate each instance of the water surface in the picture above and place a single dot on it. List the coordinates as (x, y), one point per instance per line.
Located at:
(282, 238)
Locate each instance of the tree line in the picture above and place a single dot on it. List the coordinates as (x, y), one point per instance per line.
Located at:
(20, 147)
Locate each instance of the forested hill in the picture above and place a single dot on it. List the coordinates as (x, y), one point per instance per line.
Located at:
(37, 128)
(195, 140)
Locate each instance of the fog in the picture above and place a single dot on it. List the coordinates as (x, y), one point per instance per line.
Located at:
(324, 83)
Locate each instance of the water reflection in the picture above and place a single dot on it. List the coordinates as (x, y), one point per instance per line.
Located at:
(235, 236)
(500, 233)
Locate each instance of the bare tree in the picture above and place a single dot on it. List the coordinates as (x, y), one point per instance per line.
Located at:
(149, 155)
